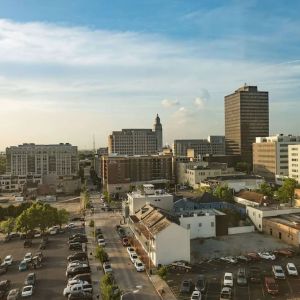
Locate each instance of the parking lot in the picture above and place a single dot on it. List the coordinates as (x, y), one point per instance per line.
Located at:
(214, 271)
(51, 278)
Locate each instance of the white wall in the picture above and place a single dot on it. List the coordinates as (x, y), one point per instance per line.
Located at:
(242, 229)
(196, 231)
(172, 243)
(245, 201)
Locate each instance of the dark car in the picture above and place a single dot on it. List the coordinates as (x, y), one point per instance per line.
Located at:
(78, 239)
(30, 279)
(77, 235)
(186, 287)
(254, 274)
(27, 243)
(75, 246)
(83, 277)
(3, 269)
(77, 256)
(4, 288)
(271, 286)
(98, 231)
(241, 277)
(201, 284)
(80, 295)
(77, 270)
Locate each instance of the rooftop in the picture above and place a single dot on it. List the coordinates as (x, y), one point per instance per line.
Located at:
(200, 213)
(276, 207)
(291, 220)
(251, 196)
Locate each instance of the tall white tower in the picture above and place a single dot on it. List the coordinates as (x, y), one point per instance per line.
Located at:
(158, 131)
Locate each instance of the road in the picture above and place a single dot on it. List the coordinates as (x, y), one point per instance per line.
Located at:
(128, 279)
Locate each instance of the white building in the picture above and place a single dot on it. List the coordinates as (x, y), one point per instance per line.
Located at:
(159, 237)
(201, 223)
(294, 162)
(256, 214)
(149, 195)
(183, 167)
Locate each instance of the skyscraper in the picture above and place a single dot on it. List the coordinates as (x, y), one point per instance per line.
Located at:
(157, 127)
(246, 117)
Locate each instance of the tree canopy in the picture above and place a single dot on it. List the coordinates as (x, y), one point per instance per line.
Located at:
(223, 193)
(286, 192)
(266, 190)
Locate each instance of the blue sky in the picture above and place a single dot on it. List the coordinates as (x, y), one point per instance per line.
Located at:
(71, 69)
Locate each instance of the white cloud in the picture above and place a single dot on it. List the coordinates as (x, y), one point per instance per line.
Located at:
(167, 103)
(199, 102)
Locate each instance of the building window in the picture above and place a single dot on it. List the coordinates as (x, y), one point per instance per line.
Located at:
(200, 224)
(212, 224)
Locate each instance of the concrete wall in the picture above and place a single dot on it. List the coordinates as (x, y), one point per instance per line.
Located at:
(245, 201)
(242, 229)
(172, 243)
(199, 226)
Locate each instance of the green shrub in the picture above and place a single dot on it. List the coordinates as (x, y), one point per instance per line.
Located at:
(162, 272)
(101, 254)
(92, 223)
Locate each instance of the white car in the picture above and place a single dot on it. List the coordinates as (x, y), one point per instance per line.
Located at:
(75, 281)
(27, 257)
(8, 260)
(107, 268)
(27, 291)
(139, 265)
(130, 250)
(266, 255)
(76, 263)
(291, 269)
(196, 295)
(278, 272)
(101, 242)
(133, 257)
(70, 225)
(228, 279)
(87, 287)
(53, 230)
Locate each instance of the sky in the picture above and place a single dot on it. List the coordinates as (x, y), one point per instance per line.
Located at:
(71, 70)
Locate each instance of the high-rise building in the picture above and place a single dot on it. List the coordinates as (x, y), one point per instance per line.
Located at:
(246, 117)
(212, 145)
(294, 162)
(270, 155)
(31, 159)
(136, 141)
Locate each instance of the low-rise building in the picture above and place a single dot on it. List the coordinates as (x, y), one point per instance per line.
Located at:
(257, 214)
(156, 233)
(11, 183)
(250, 198)
(148, 195)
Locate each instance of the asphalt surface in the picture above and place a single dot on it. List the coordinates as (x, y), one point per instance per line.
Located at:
(127, 278)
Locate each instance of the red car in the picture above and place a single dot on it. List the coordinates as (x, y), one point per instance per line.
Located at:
(125, 242)
(271, 286)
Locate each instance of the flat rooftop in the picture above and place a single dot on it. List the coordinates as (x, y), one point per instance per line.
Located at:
(139, 194)
(276, 207)
(199, 213)
(291, 220)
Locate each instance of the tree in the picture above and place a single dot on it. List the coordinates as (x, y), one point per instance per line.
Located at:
(108, 288)
(266, 189)
(101, 254)
(8, 225)
(62, 217)
(162, 272)
(223, 193)
(286, 192)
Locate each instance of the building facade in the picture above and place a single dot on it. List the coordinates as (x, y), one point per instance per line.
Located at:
(271, 156)
(11, 183)
(31, 159)
(246, 117)
(121, 173)
(294, 162)
(200, 147)
(136, 141)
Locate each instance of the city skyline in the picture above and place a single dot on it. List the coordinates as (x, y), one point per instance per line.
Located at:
(68, 76)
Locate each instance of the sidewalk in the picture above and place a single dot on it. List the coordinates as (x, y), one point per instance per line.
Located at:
(96, 272)
(162, 288)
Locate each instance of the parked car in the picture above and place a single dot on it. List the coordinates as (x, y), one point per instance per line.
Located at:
(86, 287)
(196, 295)
(77, 270)
(284, 252)
(243, 258)
(130, 250)
(27, 243)
(291, 269)
(278, 272)
(80, 239)
(43, 245)
(266, 255)
(101, 242)
(75, 246)
(229, 259)
(228, 279)
(253, 256)
(70, 226)
(133, 257)
(3, 269)
(254, 274)
(78, 263)
(186, 286)
(27, 291)
(30, 279)
(201, 284)
(226, 293)
(23, 266)
(8, 260)
(139, 266)
(13, 294)
(241, 277)
(28, 257)
(80, 295)
(107, 267)
(4, 288)
(125, 242)
(77, 256)
(271, 286)
(83, 277)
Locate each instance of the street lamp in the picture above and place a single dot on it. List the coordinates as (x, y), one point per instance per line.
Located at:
(138, 288)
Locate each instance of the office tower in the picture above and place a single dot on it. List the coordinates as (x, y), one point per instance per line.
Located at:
(60, 159)
(246, 117)
(136, 141)
(294, 162)
(270, 155)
